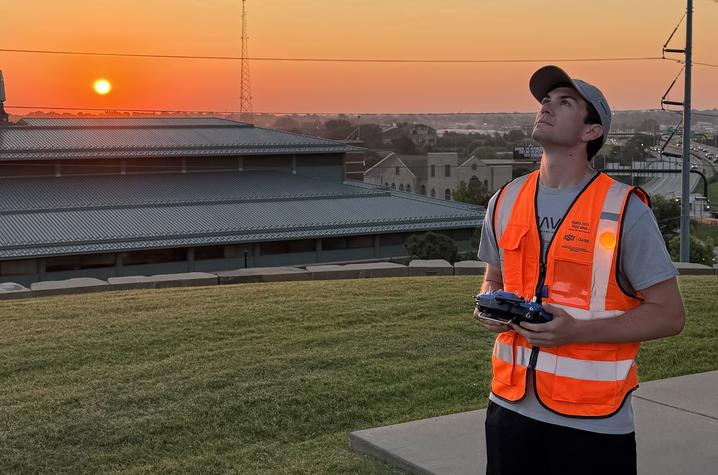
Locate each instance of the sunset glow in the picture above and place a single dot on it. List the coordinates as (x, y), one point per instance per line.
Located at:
(102, 86)
(559, 31)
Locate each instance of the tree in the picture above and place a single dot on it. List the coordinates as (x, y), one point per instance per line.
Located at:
(668, 216)
(405, 146)
(432, 246)
(701, 252)
(338, 129)
(475, 193)
(515, 136)
(371, 135)
(484, 152)
(286, 123)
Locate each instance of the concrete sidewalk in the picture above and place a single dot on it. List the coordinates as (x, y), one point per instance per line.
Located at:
(676, 433)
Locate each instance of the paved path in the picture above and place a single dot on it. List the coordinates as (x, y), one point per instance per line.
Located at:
(676, 433)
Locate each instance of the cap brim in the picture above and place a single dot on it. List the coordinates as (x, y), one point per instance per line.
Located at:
(546, 79)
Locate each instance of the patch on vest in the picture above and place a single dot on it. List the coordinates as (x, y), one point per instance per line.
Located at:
(576, 239)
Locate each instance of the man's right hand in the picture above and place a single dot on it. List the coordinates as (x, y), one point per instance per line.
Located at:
(491, 326)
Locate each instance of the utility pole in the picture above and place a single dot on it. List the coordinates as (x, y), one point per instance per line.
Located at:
(245, 91)
(685, 246)
(686, 181)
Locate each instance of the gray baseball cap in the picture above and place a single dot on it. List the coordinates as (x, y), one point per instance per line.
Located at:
(548, 77)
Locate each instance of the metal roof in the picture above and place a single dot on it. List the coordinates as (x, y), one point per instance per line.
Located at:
(60, 216)
(44, 139)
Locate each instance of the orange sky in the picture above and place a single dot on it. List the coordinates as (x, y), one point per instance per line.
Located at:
(446, 29)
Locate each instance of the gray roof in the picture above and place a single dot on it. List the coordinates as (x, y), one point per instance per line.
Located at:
(43, 139)
(418, 164)
(66, 215)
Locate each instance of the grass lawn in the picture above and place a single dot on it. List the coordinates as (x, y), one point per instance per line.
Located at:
(257, 378)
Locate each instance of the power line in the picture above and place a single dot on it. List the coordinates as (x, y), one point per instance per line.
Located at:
(326, 60)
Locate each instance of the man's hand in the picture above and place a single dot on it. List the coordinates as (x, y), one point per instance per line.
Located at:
(491, 326)
(561, 330)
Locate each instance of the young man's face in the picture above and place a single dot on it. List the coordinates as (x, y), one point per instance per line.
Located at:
(560, 121)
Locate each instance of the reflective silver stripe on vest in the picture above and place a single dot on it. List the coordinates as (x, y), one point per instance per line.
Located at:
(602, 254)
(503, 213)
(586, 370)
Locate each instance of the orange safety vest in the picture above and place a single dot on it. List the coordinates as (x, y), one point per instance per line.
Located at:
(578, 275)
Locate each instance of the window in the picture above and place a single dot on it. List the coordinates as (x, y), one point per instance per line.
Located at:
(88, 261)
(447, 170)
(396, 239)
(401, 187)
(18, 267)
(303, 245)
(360, 242)
(408, 188)
(287, 247)
(386, 184)
(347, 242)
(393, 186)
(474, 166)
(396, 170)
(433, 170)
(447, 194)
(433, 193)
(210, 252)
(423, 190)
(155, 256)
(269, 248)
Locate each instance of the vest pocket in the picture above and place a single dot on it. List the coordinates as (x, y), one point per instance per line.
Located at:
(571, 283)
(592, 379)
(513, 264)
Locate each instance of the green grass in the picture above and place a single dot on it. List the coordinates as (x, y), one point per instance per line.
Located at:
(260, 378)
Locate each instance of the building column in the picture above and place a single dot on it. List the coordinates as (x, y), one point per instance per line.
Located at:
(240, 164)
(184, 164)
(41, 269)
(123, 167)
(294, 164)
(318, 250)
(190, 259)
(58, 169)
(377, 245)
(118, 263)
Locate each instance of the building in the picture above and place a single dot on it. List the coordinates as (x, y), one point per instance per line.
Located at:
(143, 196)
(420, 134)
(436, 174)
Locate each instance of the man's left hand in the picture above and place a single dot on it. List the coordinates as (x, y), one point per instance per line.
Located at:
(561, 330)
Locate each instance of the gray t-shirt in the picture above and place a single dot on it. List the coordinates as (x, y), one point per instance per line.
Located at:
(644, 262)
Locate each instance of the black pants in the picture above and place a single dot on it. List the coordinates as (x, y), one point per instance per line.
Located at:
(516, 444)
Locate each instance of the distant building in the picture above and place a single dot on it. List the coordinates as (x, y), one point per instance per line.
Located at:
(131, 196)
(420, 134)
(436, 174)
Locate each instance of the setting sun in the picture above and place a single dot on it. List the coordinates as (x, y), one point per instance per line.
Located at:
(102, 86)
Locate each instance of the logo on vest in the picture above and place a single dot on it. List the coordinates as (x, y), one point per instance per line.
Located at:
(580, 226)
(569, 237)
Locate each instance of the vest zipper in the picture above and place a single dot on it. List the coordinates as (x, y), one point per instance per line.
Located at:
(539, 291)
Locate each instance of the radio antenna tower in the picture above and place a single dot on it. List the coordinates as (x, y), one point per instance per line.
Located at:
(245, 93)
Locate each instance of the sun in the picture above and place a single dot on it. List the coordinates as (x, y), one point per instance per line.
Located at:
(102, 86)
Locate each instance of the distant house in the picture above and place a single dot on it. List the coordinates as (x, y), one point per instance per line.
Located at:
(436, 174)
(142, 196)
(420, 134)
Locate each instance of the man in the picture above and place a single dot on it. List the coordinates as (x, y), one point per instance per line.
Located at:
(589, 249)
